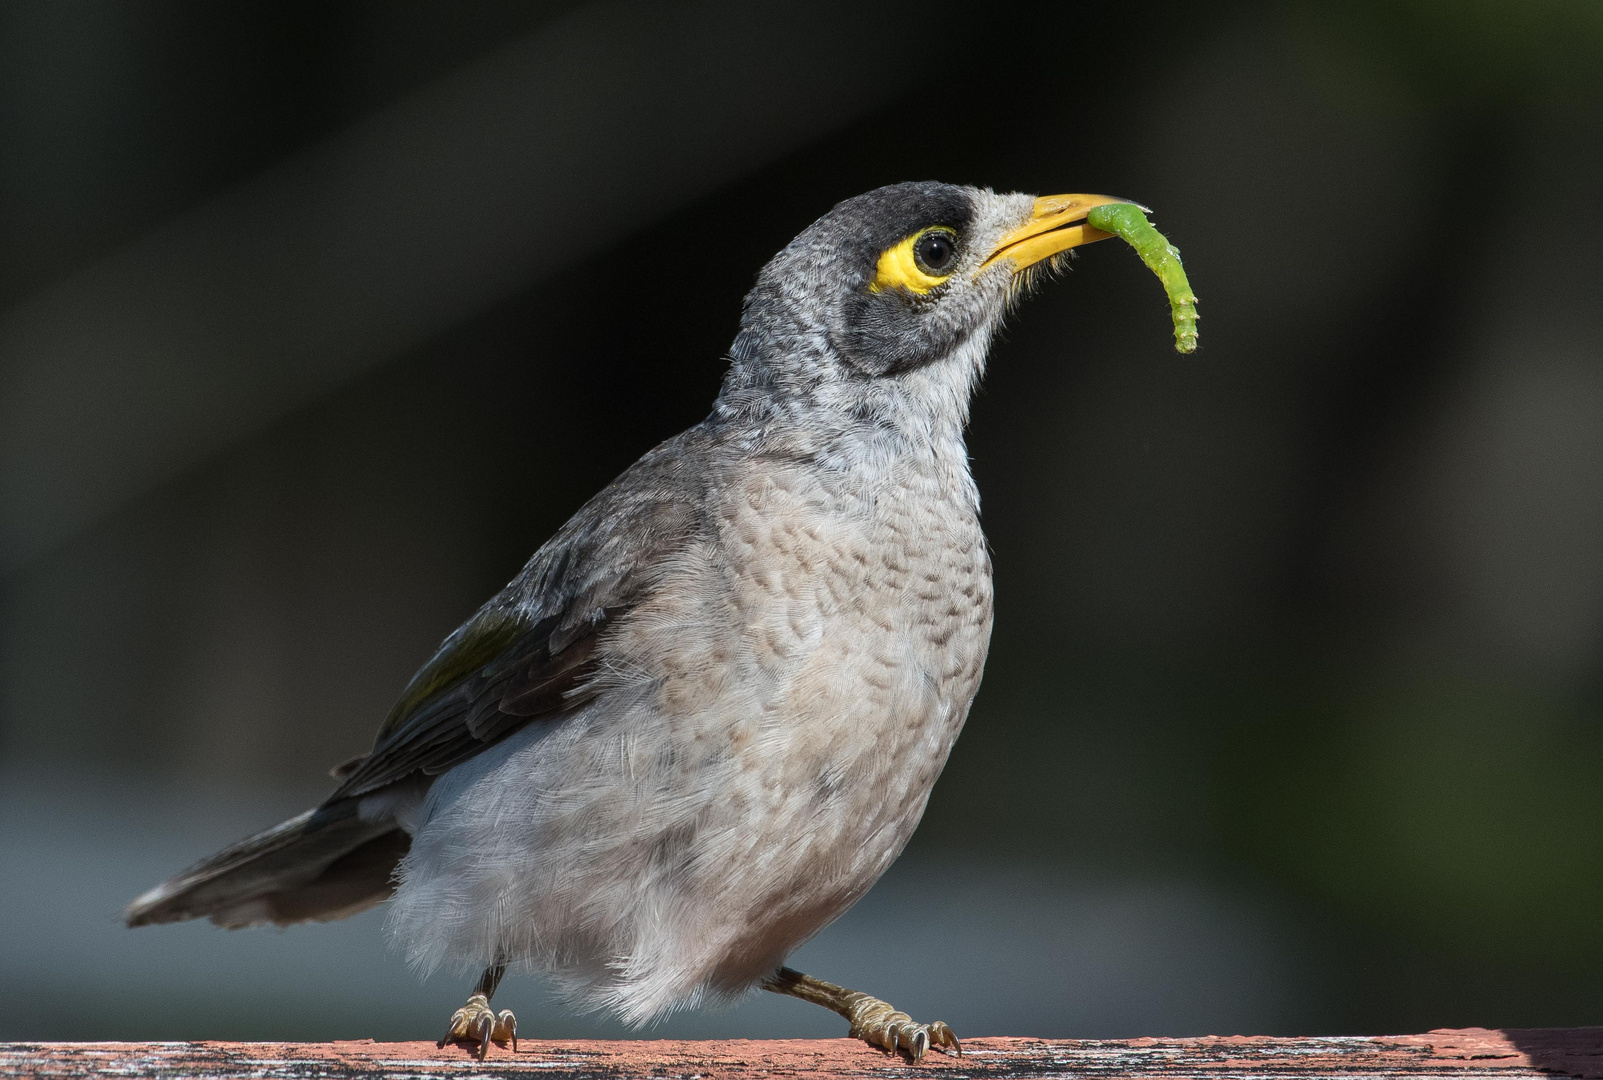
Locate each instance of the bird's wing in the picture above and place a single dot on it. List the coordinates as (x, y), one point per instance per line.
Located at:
(471, 694)
(529, 654)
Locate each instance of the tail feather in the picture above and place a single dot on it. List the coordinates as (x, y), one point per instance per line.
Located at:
(324, 864)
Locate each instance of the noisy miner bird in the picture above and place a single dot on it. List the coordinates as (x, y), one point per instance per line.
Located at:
(707, 715)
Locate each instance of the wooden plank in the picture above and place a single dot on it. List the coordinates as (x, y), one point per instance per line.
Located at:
(1463, 1054)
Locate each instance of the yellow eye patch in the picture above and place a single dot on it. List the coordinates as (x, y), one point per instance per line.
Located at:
(899, 267)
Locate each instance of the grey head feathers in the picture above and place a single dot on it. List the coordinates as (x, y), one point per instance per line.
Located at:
(817, 337)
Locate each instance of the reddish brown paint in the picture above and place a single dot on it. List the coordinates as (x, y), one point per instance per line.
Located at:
(1457, 1054)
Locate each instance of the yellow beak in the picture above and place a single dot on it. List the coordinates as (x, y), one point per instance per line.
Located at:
(1056, 224)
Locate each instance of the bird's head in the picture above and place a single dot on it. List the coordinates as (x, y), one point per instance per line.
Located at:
(895, 295)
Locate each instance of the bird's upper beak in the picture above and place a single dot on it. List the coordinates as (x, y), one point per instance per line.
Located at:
(1056, 224)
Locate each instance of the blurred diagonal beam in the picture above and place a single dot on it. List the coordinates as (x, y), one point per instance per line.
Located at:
(297, 281)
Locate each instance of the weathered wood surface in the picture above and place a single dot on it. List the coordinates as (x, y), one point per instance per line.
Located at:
(1454, 1054)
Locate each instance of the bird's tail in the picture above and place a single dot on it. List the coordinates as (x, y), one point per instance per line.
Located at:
(325, 864)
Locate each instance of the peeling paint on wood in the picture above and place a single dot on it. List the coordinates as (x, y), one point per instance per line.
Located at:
(1449, 1054)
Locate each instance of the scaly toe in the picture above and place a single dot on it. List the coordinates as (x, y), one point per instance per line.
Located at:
(944, 1038)
(506, 1029)
(458, 1027)
(878, 1024)
(477, 1023)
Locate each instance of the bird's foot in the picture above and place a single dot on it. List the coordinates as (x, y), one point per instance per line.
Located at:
(476, 1022)
(878, 1024)
(874, 1021)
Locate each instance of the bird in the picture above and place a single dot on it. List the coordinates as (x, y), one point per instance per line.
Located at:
(707, 715)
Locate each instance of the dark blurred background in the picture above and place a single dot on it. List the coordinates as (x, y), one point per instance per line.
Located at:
(317, 319)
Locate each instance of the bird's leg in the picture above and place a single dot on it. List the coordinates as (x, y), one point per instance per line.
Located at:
(872, 1020)
(476, 1022)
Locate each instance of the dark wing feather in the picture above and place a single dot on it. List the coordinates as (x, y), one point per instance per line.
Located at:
(466, 706)
(530, 653)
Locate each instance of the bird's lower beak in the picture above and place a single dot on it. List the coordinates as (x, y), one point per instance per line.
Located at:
(1056, 224)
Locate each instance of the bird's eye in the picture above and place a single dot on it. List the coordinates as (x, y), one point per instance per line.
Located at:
(917, 264)
(935, 250)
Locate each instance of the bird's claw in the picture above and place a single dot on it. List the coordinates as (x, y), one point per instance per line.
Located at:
(879, 1024)
(476, 1022)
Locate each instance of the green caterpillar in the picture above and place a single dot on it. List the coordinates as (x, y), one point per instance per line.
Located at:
(1162, 258)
